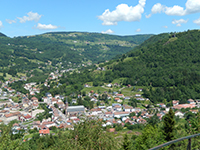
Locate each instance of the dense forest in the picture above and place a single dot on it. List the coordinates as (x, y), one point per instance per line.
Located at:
(168, 65)
(62, 49)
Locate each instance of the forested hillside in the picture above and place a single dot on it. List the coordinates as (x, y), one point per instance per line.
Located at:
(62, 49)
(167, 64)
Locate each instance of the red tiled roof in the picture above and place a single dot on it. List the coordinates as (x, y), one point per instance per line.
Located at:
(34, 98)
(44, 131)
(119, 95)
(111, 130)
(12, 114)
(108, 113)
(96, 109)
(27, 116)
(15, 124)
(190, 100)
(119, 113)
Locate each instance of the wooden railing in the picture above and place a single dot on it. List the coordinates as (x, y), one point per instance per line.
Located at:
(177, 140)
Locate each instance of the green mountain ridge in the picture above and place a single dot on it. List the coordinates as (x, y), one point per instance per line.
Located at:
(167, 64)
(62, 49)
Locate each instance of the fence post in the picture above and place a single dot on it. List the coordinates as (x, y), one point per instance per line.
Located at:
(189, 144)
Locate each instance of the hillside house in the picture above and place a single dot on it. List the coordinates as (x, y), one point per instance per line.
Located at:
(191, 101)
(174, 102)
(127, 108)
(34, 100)
(179, 114)
(44, 131)
(121, 114)
(117, 108)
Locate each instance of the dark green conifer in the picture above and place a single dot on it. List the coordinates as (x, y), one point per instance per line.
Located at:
(169, 125)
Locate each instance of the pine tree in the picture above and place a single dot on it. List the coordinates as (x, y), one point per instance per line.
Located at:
(169, 125)
(126, 143)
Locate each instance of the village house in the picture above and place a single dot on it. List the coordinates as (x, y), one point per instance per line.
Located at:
(175, 102)
(121, 114)
(34, 100)
(86, 86)
(194, 111)
(45, 99)
(179, 114)
(25, 117)
(15, 129)
(35, 124)
(109, 85)
(137, 95)
(44, 131)
(61, 105)
(108, 114)
(96, 111)
(120, 95)
(57, 96)
(162, 105)
(48, 124)
(11, 116)
(54, 101)
(142, 121)
(136, 109)
(127, 108)
(35, 105)
(127, 98)
(184, 106)
(117, 108)
(191, 101)
(140, 90)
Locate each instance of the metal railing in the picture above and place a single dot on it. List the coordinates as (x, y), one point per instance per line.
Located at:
(177, 140)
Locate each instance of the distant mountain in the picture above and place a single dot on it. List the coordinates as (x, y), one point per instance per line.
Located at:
(62, 49)
(167, 64)
(1, 34)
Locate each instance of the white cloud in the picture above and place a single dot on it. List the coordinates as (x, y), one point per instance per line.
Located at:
(10, 21)
(109, 31)
(45, 27)
(175, 11)
(165, 27)
(1, 24)
(179, 22)
(123, 13)
(138, 30)
(157, 8)
(31, 16)
(197, 22)
(148, 16)
(191, 6)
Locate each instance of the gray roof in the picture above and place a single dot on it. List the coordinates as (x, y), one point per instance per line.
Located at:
(75, 108)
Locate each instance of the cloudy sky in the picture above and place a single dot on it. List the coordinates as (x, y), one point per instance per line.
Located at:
(127, 17)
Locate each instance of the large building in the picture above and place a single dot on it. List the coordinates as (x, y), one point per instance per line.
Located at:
(74, 110)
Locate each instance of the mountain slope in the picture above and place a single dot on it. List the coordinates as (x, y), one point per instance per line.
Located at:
(63, 49)
(171, 65)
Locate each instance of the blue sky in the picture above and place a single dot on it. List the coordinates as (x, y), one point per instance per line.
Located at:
(127, 17)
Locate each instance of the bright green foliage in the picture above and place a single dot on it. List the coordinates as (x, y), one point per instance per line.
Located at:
(133, 102)
(6, 141)
(150, 137)
(126, 143)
